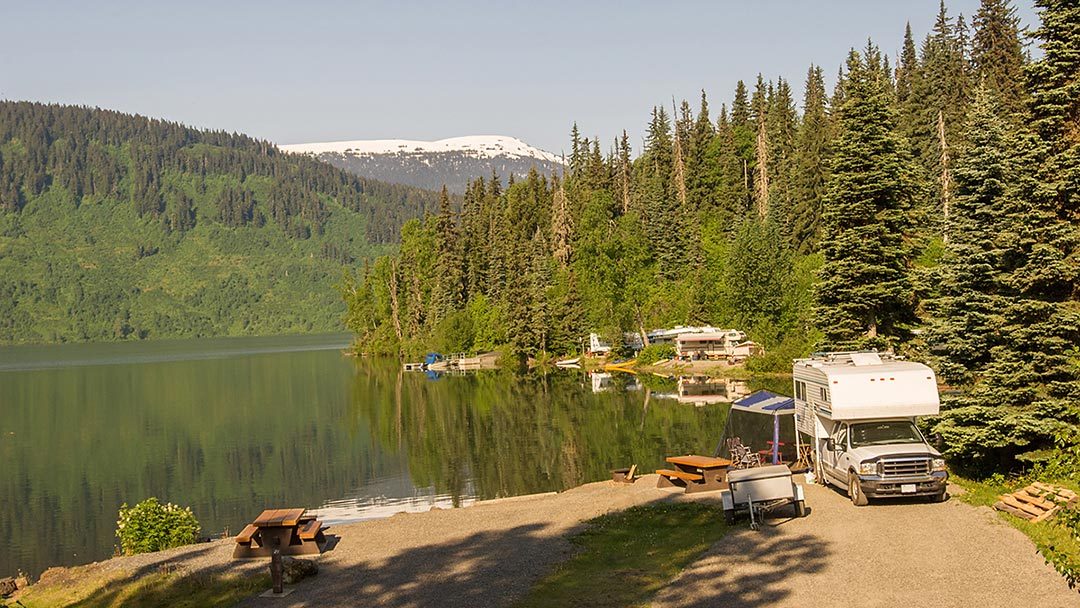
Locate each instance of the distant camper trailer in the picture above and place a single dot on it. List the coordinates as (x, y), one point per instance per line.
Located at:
(730, 344)
(669, 336)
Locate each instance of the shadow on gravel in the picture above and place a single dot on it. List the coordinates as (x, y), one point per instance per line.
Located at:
(749, 569)
(479, 570)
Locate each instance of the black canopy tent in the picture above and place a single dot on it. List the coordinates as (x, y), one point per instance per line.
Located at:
(759, 418)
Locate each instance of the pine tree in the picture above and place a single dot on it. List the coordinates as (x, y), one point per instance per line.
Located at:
(562, 226)
(782, 125)
(698, 187)
(973, 292)
(997, 54)
(810, 169)
(864, 297)
(624, 177)
(943, 87)
(447, 296)
(908, 86)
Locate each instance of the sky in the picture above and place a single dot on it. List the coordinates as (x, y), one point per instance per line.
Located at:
(298, 72)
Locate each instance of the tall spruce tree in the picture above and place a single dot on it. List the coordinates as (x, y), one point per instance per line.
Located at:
(447, 296)
(810, 164)
(997, 54)
(971, 278)
(864, 297)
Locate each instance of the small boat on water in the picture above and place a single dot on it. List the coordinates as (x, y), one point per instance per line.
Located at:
(575, 362)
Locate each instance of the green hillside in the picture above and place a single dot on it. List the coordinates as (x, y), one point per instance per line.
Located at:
(115, 226)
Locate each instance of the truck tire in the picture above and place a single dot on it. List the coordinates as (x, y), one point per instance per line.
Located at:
(729, 516)
(940, 497)
(800, 508)
(855, 492)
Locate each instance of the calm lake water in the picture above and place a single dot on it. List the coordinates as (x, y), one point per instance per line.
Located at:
(233, 426)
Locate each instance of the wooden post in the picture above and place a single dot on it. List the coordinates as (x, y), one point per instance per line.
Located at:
(277, 570)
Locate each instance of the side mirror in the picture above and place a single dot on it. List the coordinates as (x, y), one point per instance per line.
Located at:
(830, 444)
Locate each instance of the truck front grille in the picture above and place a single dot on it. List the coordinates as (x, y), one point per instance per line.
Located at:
(904, 467)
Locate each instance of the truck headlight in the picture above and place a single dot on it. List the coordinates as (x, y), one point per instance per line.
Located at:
(868, 468)
(937, 464)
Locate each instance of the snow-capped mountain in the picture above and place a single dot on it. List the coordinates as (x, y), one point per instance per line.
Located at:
(430, 164)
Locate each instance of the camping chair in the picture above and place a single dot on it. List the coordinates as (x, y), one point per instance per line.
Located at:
(742, 457)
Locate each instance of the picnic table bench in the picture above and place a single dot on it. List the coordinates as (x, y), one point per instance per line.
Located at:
(292, 530)
(695, 473)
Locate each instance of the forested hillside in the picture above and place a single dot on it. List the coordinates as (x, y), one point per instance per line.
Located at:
(115, 226)
(928, 206)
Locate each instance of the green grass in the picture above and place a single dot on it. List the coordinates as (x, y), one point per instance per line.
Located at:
(157, 590)
(1057, 544)
(626, 557)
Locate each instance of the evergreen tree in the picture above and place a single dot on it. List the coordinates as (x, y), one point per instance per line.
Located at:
(997, 54)
(701, 137)
(810, 162)
(943, 88)
(562, 226)
(782, 125)
(972, 287)
(908, 86)
(447, 296)
(864, 297)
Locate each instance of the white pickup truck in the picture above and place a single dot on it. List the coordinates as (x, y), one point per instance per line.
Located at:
(858, 410)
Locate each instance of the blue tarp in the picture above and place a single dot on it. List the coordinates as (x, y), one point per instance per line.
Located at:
(766, 402)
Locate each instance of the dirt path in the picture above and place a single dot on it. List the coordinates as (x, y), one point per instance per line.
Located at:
(910, 554)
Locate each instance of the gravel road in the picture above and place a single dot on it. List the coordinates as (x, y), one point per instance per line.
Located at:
(890, 554)
(909, 555)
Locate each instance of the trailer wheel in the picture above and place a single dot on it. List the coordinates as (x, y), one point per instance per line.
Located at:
(855, 492)
(729, 516)
(800, 508)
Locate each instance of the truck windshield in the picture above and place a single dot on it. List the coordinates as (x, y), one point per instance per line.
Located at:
(883, 433)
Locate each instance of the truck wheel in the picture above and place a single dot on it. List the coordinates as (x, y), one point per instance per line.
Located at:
(729, 516)
(855, 492)
(800, 508)
(942, 497)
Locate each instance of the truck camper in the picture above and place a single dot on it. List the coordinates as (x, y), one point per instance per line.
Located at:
(858, 411)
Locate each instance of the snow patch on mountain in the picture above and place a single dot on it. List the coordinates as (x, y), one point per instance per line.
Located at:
(480, 146)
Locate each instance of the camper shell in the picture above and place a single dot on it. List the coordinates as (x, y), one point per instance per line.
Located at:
(858, 411)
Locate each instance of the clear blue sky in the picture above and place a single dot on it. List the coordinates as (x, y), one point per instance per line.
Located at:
(294, 71)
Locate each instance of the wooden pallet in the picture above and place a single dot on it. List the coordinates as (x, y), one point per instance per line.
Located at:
(1037, 502)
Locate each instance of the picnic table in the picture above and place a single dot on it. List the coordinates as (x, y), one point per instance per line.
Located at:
(695, 473)
(292, 530)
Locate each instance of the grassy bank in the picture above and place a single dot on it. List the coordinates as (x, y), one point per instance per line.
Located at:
(1057, 543)
(83, 588)
(626, 557)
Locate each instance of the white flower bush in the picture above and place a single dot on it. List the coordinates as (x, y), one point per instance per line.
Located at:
(152, 526)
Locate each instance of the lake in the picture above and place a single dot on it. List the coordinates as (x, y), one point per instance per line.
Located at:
(234, 425)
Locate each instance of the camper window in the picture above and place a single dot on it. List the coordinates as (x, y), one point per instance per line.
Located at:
(884, 433)
(800, 390)
(825, 394)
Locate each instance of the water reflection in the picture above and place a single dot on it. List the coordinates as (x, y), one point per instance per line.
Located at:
(231, 428)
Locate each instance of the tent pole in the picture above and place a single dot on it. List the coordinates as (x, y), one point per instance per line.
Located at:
(775, 438)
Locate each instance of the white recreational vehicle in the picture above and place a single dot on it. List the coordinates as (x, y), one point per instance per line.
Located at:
(858, 410)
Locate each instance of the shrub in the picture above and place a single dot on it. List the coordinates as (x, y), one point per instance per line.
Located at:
(655, 352)
(152, 526)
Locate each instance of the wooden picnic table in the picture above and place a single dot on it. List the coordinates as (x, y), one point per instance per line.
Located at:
(291, 530)
(695, 473)
(699, 462)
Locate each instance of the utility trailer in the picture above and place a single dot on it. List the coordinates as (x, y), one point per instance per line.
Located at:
(858, 410)
(759, 490)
